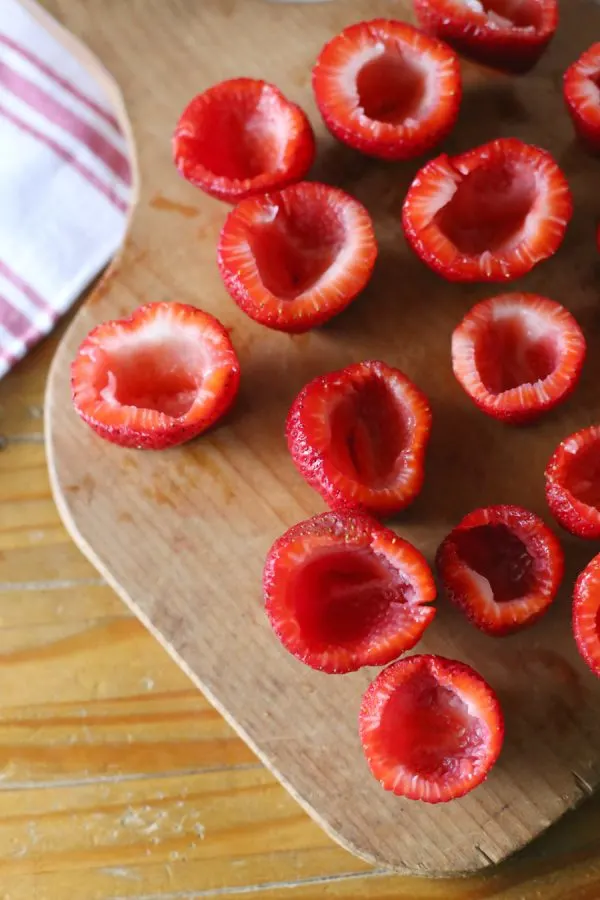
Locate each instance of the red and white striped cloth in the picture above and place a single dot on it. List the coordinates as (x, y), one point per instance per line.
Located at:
(65, 181)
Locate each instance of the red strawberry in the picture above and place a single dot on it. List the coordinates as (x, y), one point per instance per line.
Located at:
(586, 614)
(359, 437)
(502, 567)
(292, 260)
(518, 355)
(509, 35)
(156, 379)
(490, 214)
(573, 483)
(242, 137)
(387, 89)
(431, 728)
(582, 96)
(342, 591)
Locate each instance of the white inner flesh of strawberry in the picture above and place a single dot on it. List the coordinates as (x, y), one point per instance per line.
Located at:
(492, 208)
(427, 731)
(516, 347)
(305, 247)
(349, 597)
(391, 83)
(502, 14)
(159, 367)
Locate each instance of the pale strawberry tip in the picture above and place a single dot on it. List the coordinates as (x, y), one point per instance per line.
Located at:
(242, 137)
(518, 355)
(502, 567)
(359, 437)
(573, 483)
(156, 379)
(386, 89)
(586, 615)
(491, 214)
(431, 728)
(292, 260)
(342, 592)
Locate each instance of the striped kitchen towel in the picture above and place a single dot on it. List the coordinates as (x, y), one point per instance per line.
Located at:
(65, 181)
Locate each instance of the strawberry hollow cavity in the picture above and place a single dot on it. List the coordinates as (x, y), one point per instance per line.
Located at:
(573, 483)
(342, 592)
(359, 437)
(295, 258)
(431, 728)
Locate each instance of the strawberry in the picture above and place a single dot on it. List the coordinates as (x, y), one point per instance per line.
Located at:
(156, 379)
(518, 355)
(358, 436)
(573, 483)
(387, 89)
(431, 728)
(582, 95)
(586, 614)
(509, 35)
(342, 591)
(293, 259)
(242, 137)
(502, 567)
(490, 214)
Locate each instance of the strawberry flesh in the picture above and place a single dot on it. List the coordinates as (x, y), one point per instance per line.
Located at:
(518, 355)
(242, 137)
(509, 35)
(431, 728)
(342, 592)
(294, 259)
(156, 379)
(387, 89)
(582, 96)
(586, 615)
(573, 483)
(358, 436)
(502, 567)
(491, 214)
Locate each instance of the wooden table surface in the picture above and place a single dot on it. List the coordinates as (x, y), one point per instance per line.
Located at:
(118, 780)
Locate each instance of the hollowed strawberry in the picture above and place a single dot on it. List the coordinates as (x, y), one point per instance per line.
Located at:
(242, 137)
(490, 214)
(387, 89)
(582, 96)
(292, 260)
(586, 614)
(157, 378)
(358, 436)
(342, 591)
(573, 483)
(509, 35)
(518, 355)
(502, 567)
(431, 728)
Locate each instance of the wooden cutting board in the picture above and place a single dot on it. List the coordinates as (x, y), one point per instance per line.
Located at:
(182, 534)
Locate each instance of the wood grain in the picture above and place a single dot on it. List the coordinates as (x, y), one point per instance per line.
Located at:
(182, 535)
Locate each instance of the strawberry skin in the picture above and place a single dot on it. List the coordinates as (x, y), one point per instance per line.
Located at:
(586, 615)
(582, 96)
(158, 378)
(359, 436)
(342, 591)
(242, 137)
(502, 567)
(431, 728)
(387, 89)
(573, 483)
(509, 35)
(490, 214)
(296, 258)
(518, 355)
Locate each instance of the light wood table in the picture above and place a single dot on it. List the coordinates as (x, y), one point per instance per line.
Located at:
(118, 780)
